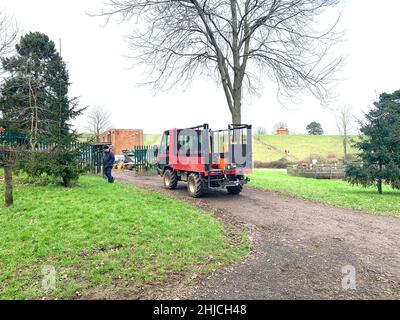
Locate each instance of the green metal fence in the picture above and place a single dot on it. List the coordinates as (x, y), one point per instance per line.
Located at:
(13, 139)
(91, 155)
(144, 157)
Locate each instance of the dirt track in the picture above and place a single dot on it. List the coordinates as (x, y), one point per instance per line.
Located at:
(300, 248)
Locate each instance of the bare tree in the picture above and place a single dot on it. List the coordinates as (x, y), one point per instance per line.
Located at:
(261, 131)
(236, 41)
(98, 121)
(8, 34)
(279, 125)
(345, 125)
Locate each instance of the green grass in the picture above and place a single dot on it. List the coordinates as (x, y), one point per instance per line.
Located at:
(85, 137)
(152, 139)
(300, 146)
(101, 234)
(333, 192)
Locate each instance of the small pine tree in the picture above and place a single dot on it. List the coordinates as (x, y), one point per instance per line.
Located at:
(379, 157)
(63, 160)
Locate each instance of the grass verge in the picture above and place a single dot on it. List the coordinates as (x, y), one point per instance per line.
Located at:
(98, 234)
(333, 192)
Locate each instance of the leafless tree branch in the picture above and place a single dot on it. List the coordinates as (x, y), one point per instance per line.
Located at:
(177, 40)
(98, 120)
(8, 34)
(345, 124)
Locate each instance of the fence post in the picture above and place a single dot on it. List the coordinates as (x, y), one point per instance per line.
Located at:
(8, 181)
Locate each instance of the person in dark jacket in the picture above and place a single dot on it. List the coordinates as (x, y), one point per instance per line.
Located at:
(108, 163)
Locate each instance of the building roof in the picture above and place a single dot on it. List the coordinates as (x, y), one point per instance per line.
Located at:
(113, 129)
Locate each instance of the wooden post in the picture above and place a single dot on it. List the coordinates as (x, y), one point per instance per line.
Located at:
(8, 181)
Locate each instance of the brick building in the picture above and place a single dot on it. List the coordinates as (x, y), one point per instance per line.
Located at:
(282, 131)
(122, 139)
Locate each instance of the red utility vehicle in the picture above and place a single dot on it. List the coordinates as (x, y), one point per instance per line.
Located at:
(206, 159)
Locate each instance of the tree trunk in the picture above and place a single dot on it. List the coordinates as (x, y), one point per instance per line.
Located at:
(237, 108)
(345, 147)
(236, 117)
(380, 179)
(98, 135)
(8, 181)
(66, 182)
(380, 186)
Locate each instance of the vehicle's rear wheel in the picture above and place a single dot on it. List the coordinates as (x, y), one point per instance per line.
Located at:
(195, 187)
(170, 179)
(235, 190)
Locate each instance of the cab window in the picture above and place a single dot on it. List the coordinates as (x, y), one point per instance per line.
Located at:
(164, 147)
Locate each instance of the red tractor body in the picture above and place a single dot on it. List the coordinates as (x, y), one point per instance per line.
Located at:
(205, 158)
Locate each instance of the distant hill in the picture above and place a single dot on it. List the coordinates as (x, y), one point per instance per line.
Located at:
(85, 137)
(298, 147)
(269, 148)
(152, 139)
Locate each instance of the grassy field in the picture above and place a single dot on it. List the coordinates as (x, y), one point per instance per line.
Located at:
(334, 192)
(152, 139)
(98, 234)
(85, 137)
(269, 148)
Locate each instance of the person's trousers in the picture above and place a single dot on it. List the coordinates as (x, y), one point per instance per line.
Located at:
(107, 172)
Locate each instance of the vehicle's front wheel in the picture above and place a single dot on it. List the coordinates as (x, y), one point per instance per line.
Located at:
(195, 187)
(170, 179)
(235, 190)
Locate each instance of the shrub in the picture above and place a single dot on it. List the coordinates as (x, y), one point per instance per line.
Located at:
(279, 164)
(61, 164)
(332, 155)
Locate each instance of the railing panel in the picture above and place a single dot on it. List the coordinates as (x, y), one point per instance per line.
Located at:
(90, 155)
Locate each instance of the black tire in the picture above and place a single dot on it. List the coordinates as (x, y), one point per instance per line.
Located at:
(194, 185)
(170, 179)
(234, 190)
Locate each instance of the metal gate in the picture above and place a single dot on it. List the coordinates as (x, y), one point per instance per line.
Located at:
(144, 157)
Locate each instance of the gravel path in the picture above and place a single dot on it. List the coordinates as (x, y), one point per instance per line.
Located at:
(300, 248)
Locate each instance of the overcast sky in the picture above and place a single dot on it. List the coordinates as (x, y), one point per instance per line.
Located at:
(102, 75)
